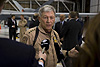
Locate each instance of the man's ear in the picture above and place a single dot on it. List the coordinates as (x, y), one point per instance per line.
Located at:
(39, 18)
(76, 17)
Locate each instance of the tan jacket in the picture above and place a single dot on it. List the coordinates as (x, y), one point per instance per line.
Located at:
(28, 38)
(22, 27)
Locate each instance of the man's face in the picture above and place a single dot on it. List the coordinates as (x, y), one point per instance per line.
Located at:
(13, 17)
(21, 17)
(47, 20)
(62, 17)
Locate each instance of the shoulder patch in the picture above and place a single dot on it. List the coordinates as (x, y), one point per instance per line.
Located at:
(31, 30)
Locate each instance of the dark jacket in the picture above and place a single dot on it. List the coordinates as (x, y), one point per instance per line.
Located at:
(80, 36)
(15, 54)
(11, 23)
(70, 32)
(58, 27)
(34, 23)
(12, 30)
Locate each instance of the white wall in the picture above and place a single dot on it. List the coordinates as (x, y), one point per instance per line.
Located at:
(95, 6)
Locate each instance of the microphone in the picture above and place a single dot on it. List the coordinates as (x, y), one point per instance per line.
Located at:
(45, 45)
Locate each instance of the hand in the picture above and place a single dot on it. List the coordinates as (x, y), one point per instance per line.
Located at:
(62, 39)
(13, 26)
(42, 55)
(73, 53)
(16, 30)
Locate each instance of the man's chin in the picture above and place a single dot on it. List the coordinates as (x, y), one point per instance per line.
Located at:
(49, 28)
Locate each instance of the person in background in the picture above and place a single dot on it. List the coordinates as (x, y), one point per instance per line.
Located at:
(12, 27)
(16, 54)
(89, 54)
(59, 25)
(23, 26)
(35, 21)
(67, 19)
(47, 20)
(70, 32)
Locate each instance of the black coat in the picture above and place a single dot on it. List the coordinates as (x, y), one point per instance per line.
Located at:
(34, 23)
(15, 54)
(70, 32)
(12, 31)
(11, 23)
(80, 37)
(58, 27)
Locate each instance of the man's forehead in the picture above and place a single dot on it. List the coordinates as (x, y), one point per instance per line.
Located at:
(48, 13)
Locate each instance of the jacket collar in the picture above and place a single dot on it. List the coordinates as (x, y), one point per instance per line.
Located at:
(73, 20)
(43, 31)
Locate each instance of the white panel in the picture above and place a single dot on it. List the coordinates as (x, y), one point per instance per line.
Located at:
(94, 2)
(91, 2)
(99, 1)
(99, 7)
(93, 9)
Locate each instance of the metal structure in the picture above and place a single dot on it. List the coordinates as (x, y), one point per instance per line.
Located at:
(63, 2)
(12, 5)
(31, 13)
(32, 3)
(30, 9)
(37, 2)
(83, 5)
(6, 13)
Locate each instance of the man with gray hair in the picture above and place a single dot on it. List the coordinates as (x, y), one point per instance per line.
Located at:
(46, 19)
(45, 31)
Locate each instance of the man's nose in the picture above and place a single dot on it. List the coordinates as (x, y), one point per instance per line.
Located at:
(48, 20)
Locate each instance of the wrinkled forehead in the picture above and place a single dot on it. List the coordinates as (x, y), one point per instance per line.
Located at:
(48, 13)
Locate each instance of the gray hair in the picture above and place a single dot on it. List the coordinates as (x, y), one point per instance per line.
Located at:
(46, 8)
